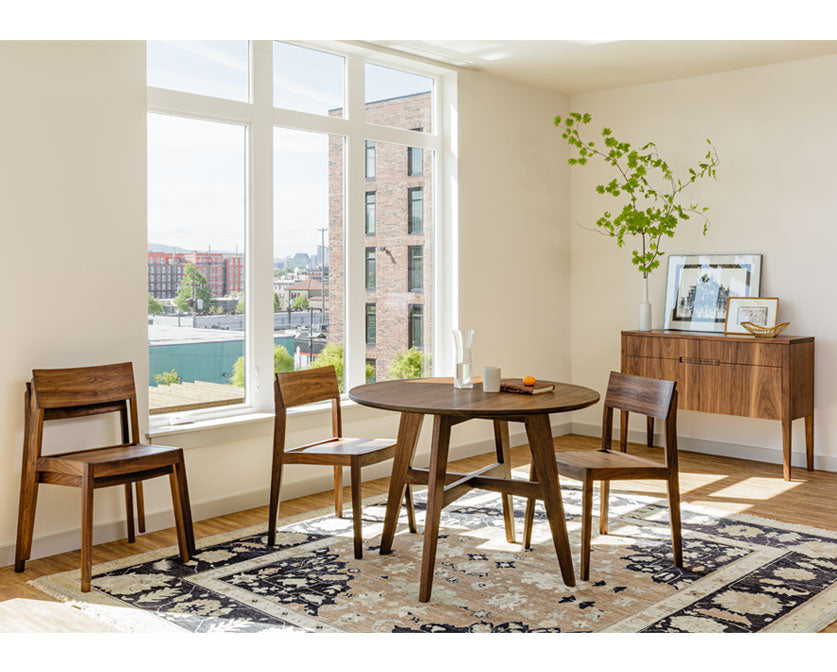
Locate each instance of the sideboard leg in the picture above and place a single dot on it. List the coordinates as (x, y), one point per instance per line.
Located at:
(623, 431)
(650, 440)
(809, 439)
(787, 430)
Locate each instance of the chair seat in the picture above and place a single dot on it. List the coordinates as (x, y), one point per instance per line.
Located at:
(343, 449)
(607, 464)
(111, 459)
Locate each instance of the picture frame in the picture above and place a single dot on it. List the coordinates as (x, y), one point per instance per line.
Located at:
(698, 287)
(760, 310)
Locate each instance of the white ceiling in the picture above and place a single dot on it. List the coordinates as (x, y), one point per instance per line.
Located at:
(574, 66)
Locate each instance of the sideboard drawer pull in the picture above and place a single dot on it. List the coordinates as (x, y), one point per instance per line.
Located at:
(698, 360)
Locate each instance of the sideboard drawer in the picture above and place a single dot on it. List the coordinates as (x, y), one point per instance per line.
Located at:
(746, 352)
(665, 348)
(732, 389)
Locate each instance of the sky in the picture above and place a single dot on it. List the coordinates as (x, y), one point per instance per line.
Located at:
(196, 168)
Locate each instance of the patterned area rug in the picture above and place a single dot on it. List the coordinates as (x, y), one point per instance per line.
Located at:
(742, 574)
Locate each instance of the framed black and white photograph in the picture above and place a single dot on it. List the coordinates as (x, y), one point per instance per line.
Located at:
(758, 310)
(699, 286)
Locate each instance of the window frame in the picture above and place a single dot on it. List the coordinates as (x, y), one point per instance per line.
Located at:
(261, 117)
(411, 152)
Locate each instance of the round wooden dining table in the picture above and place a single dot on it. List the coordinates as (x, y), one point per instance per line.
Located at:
(449, 406)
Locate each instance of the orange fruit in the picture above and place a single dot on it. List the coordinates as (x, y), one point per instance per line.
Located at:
(529, 380)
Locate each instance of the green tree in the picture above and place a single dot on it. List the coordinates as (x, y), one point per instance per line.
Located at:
(300, 302)
(283, 361)
(276, 305)
(409, 364)
(194, 286)
(239, 307)
(155, 306)
(332, 355)
(167, 378)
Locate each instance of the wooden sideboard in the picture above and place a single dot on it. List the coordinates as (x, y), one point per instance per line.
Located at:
(735, 375)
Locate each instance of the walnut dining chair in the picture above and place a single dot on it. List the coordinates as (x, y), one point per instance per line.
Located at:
(306, 387)
(56, 394)
(629, 394)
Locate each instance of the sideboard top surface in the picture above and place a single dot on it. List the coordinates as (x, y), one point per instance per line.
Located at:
(781, 339)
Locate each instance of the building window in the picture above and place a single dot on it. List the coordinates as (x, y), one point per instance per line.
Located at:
(370, 213)
(370, 160)
(415, 160)
(415, 210)
(370, 269)
(370, 324)
(414, 272)
(371, 375)
(416, 326)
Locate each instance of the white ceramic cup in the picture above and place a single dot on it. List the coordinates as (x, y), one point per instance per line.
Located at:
(491, 378)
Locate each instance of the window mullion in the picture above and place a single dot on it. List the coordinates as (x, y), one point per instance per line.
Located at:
(354, 229)
(259, 290)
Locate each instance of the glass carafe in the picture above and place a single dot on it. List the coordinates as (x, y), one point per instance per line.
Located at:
(463, 338)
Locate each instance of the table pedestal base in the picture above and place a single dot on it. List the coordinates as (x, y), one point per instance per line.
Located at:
(444, 487)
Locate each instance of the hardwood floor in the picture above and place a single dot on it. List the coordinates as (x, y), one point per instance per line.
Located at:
(741, 486)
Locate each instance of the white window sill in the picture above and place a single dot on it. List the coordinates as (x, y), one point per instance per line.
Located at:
(162, 431)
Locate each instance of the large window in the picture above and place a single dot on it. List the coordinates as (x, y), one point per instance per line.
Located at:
(196, 232)
(262, 166)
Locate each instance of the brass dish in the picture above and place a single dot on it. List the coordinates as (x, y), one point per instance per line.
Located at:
(765, 332)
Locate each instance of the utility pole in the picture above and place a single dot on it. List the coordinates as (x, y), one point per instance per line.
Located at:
(322, 277)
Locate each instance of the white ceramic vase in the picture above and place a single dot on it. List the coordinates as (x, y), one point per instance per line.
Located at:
(644, 309)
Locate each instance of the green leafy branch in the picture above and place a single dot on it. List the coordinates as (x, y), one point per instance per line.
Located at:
(653, 208)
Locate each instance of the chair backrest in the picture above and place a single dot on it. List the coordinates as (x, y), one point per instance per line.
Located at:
(296, 388)
(71, 393)
(646, 396)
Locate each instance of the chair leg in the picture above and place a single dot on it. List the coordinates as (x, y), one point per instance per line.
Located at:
(357, 513)
(411, 510)
(338, 492)
(26, 517)
(129, 511)
(86, 528)
(529, 517)
(140, 508)
(177, 503)
(275, 486)
(604, 496)
(185, 505)
(674, 515)
(586, 525)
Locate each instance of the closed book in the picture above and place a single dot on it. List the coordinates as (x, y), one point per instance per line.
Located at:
(516, 385)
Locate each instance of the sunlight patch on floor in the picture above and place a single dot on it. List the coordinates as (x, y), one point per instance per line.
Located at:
(756, 488)
(22, 615)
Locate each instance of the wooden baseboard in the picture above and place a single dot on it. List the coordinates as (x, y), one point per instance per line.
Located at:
(741, 451)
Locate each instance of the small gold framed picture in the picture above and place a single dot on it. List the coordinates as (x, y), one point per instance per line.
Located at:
(758, 310)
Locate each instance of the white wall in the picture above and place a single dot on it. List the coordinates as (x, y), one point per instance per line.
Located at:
(773, 127)
(73, 211)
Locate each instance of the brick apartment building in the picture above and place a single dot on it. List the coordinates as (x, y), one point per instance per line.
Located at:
(224, 272)
(398, 258)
